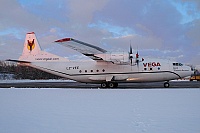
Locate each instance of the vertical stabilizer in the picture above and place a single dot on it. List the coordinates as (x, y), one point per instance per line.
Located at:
(33, 53)
(31, 45)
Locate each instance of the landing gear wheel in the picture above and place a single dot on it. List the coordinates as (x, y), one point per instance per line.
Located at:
(116, 85)
(111, 85)
(104, 85)
(166, 84)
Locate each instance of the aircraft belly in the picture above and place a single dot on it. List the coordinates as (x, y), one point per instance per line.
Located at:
(150, 77)
(136, 77)
(108, 78)
(97, 78)
(120, 77)
(184, 73)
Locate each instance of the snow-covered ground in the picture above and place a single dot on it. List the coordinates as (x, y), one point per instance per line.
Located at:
(99, 111)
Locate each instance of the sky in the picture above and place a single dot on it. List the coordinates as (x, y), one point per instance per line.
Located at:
(167, 29)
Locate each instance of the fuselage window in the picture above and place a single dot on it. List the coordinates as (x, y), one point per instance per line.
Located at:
(91, 70)
(85, 70)
(145, 69)
(103, 70)
(150, 69)
(97, 70)
(175, 64)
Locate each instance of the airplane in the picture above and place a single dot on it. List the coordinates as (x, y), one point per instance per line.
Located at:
(105, 68)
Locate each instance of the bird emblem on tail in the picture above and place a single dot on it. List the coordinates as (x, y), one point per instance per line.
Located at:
(30, 45)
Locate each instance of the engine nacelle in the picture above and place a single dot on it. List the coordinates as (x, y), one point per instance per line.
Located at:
(115, 57)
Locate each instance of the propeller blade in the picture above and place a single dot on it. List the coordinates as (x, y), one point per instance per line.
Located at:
(131, 55)
(137, 55)
(137, 58)
(131, 52)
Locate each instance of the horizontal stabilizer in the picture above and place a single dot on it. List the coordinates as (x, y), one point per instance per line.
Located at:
(19, 61)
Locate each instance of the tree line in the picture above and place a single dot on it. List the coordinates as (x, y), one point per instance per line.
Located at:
(23, 72)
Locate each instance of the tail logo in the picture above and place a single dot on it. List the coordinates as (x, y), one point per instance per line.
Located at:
(31, 45)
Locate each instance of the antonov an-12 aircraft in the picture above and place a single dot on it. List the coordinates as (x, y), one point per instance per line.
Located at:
(107, 68)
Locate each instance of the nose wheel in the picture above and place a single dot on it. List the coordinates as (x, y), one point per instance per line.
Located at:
(166, 85)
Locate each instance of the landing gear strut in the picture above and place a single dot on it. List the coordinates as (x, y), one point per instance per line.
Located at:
(109, 84)
(166, 84)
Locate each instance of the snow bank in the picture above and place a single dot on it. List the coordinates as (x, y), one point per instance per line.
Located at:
(99, 111)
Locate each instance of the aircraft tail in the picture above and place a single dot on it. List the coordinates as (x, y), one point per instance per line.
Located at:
(32, 51)
(31, 45)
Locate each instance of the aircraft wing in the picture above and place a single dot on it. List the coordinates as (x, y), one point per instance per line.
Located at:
(82, 47)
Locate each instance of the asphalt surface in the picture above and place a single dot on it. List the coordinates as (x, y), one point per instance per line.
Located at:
(154, 85)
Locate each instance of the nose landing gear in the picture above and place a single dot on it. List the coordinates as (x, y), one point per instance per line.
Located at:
(166, 84)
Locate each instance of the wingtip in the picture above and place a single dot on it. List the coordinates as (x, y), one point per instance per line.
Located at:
(64, 40)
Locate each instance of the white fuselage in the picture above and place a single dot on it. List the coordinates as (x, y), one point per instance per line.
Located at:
(150, 70)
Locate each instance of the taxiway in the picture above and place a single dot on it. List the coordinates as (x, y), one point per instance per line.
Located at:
(59, 84)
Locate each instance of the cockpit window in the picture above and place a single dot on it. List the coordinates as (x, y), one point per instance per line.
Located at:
(177, 64)
(180, 64)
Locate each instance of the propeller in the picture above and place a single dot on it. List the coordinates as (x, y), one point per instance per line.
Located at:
(131, 55)
(196, 71)
(137, 60)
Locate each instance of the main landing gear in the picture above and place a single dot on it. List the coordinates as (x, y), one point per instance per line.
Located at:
(115, 85)
(109, 85)
(166, 84)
